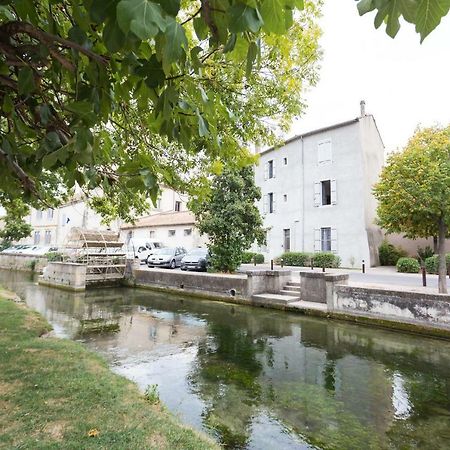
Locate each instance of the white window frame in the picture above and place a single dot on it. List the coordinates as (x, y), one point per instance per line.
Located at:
(172, 233)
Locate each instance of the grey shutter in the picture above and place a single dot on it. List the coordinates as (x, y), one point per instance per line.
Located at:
(274, 202)
(334, 247)
(265, 204)
(317, 193)
(317, 240)
(333, 192)
(266, 171)
(273, 169)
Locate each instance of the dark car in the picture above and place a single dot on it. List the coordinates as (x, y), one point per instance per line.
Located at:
(196, 259)
(166, 257)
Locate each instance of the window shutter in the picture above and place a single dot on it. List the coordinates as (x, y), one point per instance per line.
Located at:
(274, 206)
(334, 240)
(317, 193)
(265, 204)
(266, 171)
(317, 241)
(273, 169)
(333, 192)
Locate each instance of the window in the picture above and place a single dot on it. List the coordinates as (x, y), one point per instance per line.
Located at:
(287, 240)
(324, 153)
(285, 198)
(37, 237)
(48, 237)
(187, 231)
(325, 193)
(129, 236)
(151, 233)
(178, 206)
(285, 161)
(39, 215)
(325, 239)
(49, 213)
(269, 203)
(263, 248)
(269, 169)
(172, 233)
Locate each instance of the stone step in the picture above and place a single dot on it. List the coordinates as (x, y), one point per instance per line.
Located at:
(290, 293)
(292, 288)
(274, 299)
(294, 283)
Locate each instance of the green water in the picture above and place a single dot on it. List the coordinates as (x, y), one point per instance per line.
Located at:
(261, 379)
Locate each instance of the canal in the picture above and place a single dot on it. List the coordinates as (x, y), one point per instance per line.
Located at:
(262, 379)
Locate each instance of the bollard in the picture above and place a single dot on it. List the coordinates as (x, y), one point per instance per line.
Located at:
(312, 263)
(271, 264)
(424, 276)
(282, 263)
(363, 267)
(323, 268)
(254, 260)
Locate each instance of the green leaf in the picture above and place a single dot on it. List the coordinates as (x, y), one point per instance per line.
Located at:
(200, 27)
(153, 72)
(272, 12)
(243, 18)
(429, 15)
(8, 105)
(83, 110)
(101, 10)
(203, 128)
(143, 17)
(175, 42)
(365, 6)
(26, 81)
(251, 56)
(113, 36)
(170, 6)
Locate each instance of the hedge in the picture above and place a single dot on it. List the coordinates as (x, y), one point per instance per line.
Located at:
(326, 259)
(432, 263)
(300, 259)
(389, 254)
(249, 257)
(408, 265)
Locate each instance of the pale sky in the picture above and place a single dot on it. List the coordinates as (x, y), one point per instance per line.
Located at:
(403, 82)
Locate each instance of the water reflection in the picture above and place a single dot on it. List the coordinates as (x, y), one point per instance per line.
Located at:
(261, 379)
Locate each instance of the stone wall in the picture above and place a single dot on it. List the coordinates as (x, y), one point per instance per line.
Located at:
(240, 286)
(23, 262)
(417, 308)
(65, 275)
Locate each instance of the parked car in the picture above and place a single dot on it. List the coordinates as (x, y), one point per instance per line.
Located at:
(166, 257)
(196, 259)
(142, 248)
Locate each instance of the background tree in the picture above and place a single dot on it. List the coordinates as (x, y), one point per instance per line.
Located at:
(120, 96)
(14, 226)
(414, 191)
(230, 218)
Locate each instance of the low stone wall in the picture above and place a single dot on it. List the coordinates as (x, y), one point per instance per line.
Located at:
(23, 262)
(416, 308)
(318, 286)
(71, 276)
(226, 286)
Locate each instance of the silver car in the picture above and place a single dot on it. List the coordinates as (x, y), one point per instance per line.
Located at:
(166, 257)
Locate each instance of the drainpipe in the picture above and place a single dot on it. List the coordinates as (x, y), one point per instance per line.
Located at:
(303, 194)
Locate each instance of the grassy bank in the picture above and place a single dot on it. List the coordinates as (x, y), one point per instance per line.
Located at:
(53, 392)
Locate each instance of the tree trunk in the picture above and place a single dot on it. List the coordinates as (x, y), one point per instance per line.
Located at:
(435, 245)
(442, 262)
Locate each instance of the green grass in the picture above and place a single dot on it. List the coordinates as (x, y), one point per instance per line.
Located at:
(54, 391)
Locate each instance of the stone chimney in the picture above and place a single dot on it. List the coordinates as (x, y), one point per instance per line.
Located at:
(362, 105)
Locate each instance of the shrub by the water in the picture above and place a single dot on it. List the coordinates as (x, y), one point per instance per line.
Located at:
(389, 254)
(408, 265)
(296, 259)
(250, 257)
(432, 263)
(326, 259)
(54, 256)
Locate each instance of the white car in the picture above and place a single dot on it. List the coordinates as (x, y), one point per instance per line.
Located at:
(142, 248)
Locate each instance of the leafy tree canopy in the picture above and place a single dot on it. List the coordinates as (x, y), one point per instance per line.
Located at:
(426, 15)
(120, 96)
(230, 218)
(414, 188)
(14, 227)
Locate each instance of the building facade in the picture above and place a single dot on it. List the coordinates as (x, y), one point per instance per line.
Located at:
(317, 192)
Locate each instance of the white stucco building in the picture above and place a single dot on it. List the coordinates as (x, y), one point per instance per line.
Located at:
(317, 192)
